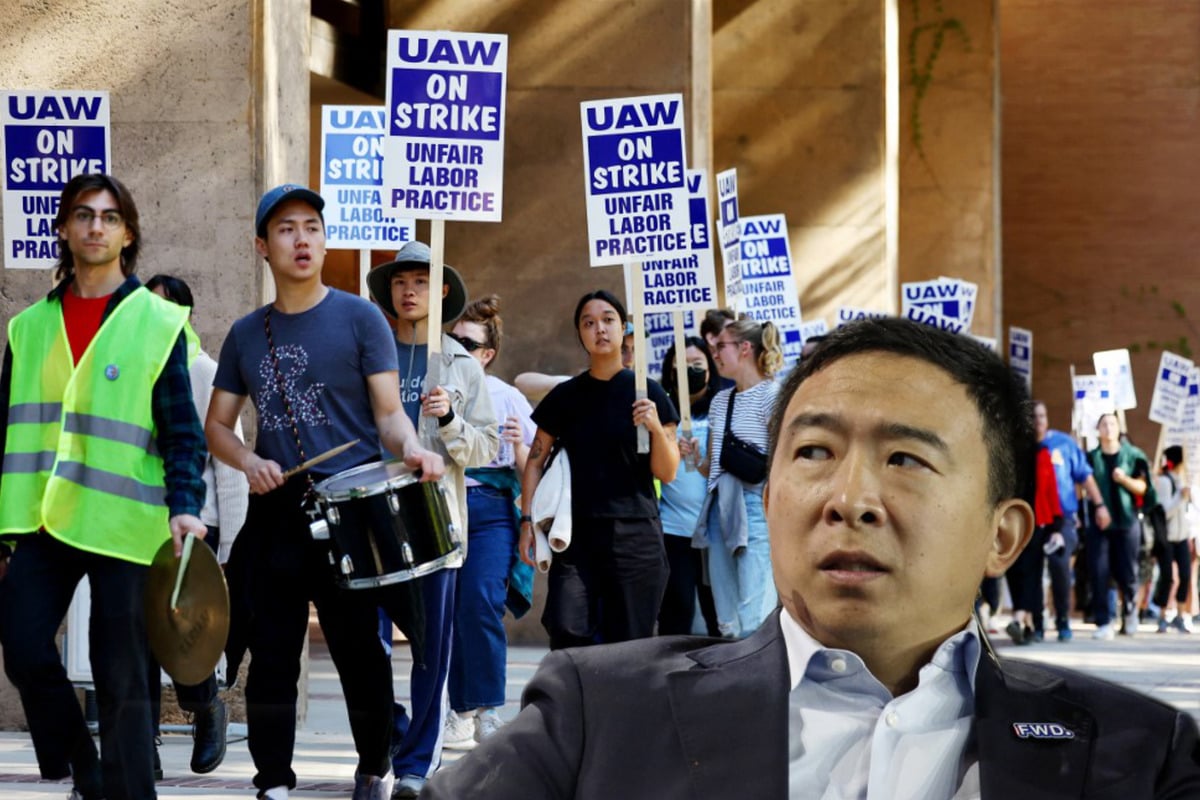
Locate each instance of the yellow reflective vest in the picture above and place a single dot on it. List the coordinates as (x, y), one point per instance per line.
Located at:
(80, 457)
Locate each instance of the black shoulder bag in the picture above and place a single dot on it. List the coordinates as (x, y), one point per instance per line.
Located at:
(741, 459)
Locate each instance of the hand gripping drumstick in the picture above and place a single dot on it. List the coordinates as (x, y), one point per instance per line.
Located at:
(312, 462)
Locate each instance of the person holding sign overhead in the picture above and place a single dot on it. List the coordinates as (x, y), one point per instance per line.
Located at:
(608, 584)
(732, 527)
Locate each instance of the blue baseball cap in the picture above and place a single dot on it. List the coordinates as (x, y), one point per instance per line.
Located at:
(280, 194)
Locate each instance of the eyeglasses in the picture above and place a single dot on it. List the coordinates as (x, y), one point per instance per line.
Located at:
(84, 217)
(719, 344)
(470, 345)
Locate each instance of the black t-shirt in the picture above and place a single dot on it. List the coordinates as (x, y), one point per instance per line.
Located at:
(593, 421)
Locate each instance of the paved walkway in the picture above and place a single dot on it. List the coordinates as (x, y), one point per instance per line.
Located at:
(1166, 666)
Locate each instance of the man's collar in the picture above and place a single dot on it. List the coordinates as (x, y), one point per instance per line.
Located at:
(962, 649)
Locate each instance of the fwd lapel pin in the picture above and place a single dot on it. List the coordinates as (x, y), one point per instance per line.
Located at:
(1042, 730)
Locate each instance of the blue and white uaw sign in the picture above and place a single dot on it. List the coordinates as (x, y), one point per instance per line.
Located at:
(1020, 353)
(768, 286)
(811, 328)
(352, 181)
(1114, 365)
(1170, 389)
(48, 138)
(847, 314)
(1093, 397)
(443, 156)
(945, 303)
(729, 233)
(689, 279)
(635, 179)
(660, 336)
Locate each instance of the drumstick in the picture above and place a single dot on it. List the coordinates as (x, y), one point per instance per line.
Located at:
(312, 462)
(189, 539)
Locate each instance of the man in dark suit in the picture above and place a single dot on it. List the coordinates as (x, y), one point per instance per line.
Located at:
(899, 453)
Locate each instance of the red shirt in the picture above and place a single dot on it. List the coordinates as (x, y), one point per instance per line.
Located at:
(82, 316)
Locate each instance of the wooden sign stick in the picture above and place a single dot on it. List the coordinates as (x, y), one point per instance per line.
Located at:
(639, 349)
(433, 369)
(685, 404)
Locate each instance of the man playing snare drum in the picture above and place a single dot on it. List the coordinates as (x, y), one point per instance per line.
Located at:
(468, 436)
(320, 366)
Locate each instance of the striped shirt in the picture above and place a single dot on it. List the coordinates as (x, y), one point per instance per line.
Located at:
(751, 411)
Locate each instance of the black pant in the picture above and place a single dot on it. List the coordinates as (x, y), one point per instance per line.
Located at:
(683, 585)
(1025, 578)
(275, 569)
(1169, 553)
(34, 597)
(1113, 552)
(1058, 564)
(608, 585)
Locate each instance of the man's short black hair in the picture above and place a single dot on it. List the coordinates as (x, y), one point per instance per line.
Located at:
(1005, 410)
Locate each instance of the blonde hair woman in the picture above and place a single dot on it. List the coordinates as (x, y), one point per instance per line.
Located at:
(732, 526)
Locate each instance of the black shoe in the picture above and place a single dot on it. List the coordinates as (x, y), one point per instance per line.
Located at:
(208, 734)
(158, 773)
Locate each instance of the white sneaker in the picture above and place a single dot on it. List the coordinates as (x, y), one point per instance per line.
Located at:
(1105, 632)
(459, 733)
(274, 793)
(487, 722)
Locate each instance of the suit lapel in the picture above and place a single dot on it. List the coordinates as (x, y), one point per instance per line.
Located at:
(1017, 759)
(730, 711)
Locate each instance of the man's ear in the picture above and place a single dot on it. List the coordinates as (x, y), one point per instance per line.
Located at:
(1013, 526)
(260, 246)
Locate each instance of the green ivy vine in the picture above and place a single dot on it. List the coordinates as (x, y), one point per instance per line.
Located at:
(920, 71)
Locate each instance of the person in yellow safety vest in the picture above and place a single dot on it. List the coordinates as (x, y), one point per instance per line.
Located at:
(103, 454)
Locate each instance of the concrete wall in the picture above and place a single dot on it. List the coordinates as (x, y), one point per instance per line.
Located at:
(1101, 186)
(948, 148)
(209, 103)
(798, 102)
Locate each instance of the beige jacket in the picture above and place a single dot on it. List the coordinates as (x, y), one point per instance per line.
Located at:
(472, 438)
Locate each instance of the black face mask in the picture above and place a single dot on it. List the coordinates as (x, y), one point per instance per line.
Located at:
(697, 379)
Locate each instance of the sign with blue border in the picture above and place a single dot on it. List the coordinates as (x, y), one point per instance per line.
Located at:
(352, 181)
(635, 170)
(48, 137)
(443, 151)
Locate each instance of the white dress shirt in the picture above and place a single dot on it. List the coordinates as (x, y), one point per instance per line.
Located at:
(849, 738)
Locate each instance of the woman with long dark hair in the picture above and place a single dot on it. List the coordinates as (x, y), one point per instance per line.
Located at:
(608, 584)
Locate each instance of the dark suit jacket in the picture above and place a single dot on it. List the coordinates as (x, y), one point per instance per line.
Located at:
(682, 717)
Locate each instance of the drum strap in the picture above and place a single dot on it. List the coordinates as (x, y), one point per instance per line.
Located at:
(280, 385)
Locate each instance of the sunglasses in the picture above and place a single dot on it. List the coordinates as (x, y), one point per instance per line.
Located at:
(470, 345)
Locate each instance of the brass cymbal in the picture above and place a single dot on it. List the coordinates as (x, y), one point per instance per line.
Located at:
(188, 639)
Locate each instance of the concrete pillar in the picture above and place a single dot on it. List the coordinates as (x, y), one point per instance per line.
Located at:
(948, 159)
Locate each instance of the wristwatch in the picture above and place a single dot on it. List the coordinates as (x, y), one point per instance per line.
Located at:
(526, 518)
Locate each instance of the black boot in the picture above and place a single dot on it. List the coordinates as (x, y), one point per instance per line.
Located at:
(158, 772)
(208, 733)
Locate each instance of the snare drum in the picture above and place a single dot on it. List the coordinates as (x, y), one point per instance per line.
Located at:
(385, 526)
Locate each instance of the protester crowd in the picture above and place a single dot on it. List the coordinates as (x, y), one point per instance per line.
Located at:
(669, 540)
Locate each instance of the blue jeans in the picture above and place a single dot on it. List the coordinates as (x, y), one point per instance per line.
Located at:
(743, 586)
(477, 659)
(417, 730)
(34, 596)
